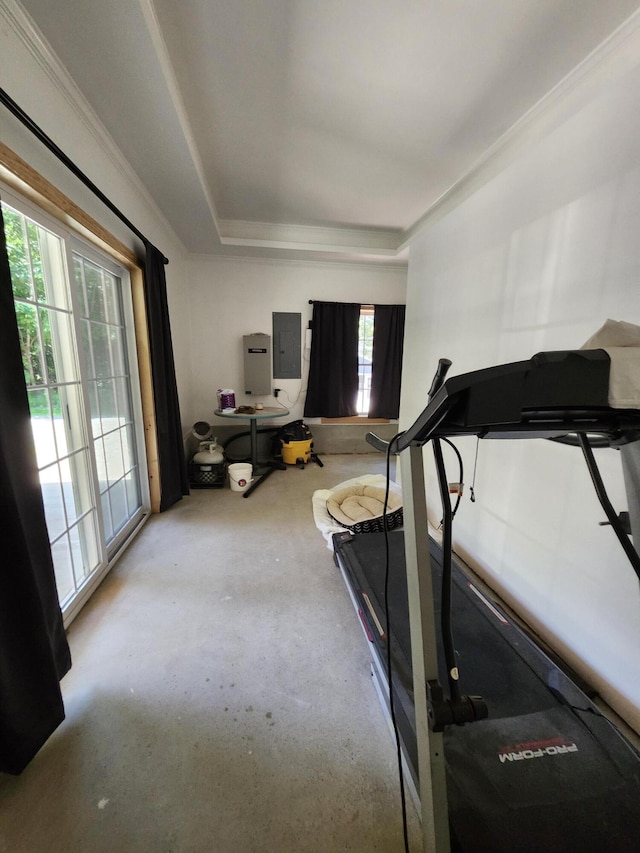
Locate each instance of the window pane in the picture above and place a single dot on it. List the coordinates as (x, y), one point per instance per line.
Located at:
(100, 349)
(111, 298)
(38, 402)
(84, 548)
(47, 345)
(78, 276)
(94, 409)
(21, 279)
(78, 498)
(119, 511)
(94, 291)
(44, 439)
(118, 361)
(32, 355)
(63, 566)
(86, 348)
(59, 426)
(107, 403)
(36, 260)
(128, 448)
(113, 453)
(101, 464)
(106, 516)
(133, 492)
(121, 387)
(51, 484)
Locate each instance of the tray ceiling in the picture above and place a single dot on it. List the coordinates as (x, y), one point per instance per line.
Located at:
(313, 128)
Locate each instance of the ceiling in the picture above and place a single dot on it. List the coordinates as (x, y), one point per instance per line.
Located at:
(307, 128)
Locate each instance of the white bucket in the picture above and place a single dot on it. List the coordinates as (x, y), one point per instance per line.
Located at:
(240, 476)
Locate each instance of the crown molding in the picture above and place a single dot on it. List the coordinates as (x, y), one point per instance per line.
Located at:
(22, 25)
(618, 54)
(377, 242)
(305, 260)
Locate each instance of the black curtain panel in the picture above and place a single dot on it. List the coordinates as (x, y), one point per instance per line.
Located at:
(34, 654)
(333, 364)
(386, 369)
(174, 481)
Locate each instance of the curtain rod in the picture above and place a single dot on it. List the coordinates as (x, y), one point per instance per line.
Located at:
(37, 131)
(312, 301)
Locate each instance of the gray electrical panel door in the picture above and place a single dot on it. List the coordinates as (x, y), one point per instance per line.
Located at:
(257, 364)
(287, 345)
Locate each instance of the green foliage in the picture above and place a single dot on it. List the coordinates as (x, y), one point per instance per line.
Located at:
(98, 306)
(365, 337)
(28, 284)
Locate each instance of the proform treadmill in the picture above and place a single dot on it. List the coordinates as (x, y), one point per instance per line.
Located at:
(513, 755)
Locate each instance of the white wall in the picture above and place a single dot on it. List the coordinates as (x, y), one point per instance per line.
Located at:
(535, 259)
(231, 298)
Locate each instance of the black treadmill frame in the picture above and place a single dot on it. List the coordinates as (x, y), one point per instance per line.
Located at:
(589, 800)
(551, 395)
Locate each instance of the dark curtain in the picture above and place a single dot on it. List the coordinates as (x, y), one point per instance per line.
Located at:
(174, 481)
(333, 364)
(34, 654)
(386, 369)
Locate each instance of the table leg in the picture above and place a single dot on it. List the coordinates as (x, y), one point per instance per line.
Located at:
(270, 466)
(254, 443)
(258, 480)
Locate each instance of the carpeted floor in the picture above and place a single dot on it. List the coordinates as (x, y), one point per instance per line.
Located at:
(220, 697)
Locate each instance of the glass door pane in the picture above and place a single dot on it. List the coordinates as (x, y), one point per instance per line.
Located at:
(37, 259)
(109, 384)
(75, 323)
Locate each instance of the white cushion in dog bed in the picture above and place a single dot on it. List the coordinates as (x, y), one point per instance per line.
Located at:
(359, 504)
(323, 521)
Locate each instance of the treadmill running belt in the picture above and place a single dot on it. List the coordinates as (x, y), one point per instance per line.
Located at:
(546, 771)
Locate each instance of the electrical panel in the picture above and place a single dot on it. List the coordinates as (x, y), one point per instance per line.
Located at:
(257, 364)
(287, 345)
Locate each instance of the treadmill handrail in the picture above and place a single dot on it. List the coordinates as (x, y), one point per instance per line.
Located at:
(547, 417)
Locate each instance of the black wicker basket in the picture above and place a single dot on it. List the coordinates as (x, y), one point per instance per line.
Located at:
(207, 475)
(376, 524)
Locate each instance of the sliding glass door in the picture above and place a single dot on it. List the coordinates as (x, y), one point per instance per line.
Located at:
(76, 332)
(108, 382)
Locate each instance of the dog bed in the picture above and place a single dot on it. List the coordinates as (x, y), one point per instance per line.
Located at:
(360, 508)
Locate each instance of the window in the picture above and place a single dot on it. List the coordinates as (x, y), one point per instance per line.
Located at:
(365, 358)
(75, 324)
(355, 364)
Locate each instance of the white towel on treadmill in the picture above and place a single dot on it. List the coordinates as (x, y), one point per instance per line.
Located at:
(621, 341)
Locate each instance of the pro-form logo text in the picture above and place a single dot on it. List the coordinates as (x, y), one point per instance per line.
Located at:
(536, 749)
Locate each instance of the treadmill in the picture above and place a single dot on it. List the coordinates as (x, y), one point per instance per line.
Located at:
(504, 748)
